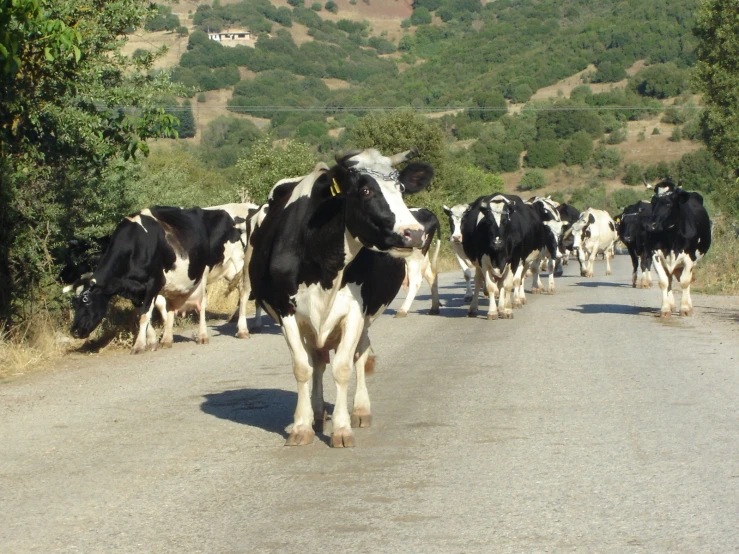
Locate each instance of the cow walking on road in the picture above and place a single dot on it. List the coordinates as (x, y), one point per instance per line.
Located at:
(595, 233)
(309, 271)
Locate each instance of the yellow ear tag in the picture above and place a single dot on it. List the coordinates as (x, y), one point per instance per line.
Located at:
(335, 189)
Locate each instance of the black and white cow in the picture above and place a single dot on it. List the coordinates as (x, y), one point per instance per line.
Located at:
(679, 236)
(163, 251)
(310, 270)
(455, 214)
(503, 236)
(594, 233)
(546, 209)
(568, 215)
(421, 264)
(633, 232)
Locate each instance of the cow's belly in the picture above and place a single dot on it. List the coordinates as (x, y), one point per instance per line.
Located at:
(178, 286)
(320, 318)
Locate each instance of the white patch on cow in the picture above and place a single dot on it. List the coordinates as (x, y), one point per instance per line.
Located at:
(304, 188)
(456, 222)
(137, 218)
(497, 207)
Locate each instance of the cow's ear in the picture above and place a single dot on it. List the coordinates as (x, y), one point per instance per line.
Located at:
(416, 176)
(447, 211)
(591, 219)
(344, 159)
(683, 196)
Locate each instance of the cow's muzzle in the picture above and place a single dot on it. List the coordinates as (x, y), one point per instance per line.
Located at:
(412, 238)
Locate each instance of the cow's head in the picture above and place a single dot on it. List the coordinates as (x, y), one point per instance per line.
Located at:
(455, 214)
(666, 209)
(581, 233)
(373, 191)
(550, 217)
(497, 213)
(89, 303)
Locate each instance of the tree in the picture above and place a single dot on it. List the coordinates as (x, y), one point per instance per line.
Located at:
(331, 6)
(579, 149)
(544, 153)
(717, 76)
(492, 106)
(265, 164)
(420, 16)
(73, 110)
(532, 180)
(186, 127)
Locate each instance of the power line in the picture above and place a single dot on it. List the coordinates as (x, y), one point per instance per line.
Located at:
(331, 109)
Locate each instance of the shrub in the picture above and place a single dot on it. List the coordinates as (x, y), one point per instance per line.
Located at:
(633, 174)
(182, 31)
(660, 81)
(607, 158)
(656, 131)
(676, 135)
(331, 6)
(609, 72)
(201, 97)
(521, 94)
(617, 136)
(420, 16)
(532, 180)
(544, 153)
(579, 149)
(492, 103)
(315, 6)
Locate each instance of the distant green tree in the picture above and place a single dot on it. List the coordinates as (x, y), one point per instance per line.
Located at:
(430, 5)
(579, 149)
(609, 72)
(492, 106)
(633, 174)
(265, 164)
(332, 6)
(606, 158)
(296, 3)
(660, 81)
(521, 94)
(316, 6)
(676, 135)
(186, 127)
(182, 31)
(699, 171)
(544, 153)
(420, 16)
(532, 180)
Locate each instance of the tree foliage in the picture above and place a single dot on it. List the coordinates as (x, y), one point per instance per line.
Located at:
(72, 109)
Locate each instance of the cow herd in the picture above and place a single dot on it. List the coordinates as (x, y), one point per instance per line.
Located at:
(329, 251)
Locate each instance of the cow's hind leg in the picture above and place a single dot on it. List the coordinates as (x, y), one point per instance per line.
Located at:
(519, 296)
(475, 295)
(468, 279)
(302, 432)
(664, 285)
(686, 278)
(320, 414)
(413, 272)
(364, 363)
(433, 280)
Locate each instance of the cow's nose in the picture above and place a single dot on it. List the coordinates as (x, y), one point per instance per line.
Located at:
(457, 239)
(413, 238)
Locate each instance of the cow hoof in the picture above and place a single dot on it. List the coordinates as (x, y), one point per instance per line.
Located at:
(165, 344)
(517, 304)
(523, 301)
(492, 316)
(400, 314)
(608, 273)
(468, 298)
(300, 437)
(507, 314)
(361, 420)
(138, 349)
(320, 424)
(535, 290)
(589, 274)
(342, 438)
(665, 314)
(243, 335)
(686, 311)
(550, 290)
(434, 311)
(203, 340)
(152, 347)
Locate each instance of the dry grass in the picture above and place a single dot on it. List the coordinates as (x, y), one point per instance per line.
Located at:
(718, 272)
(31, 346)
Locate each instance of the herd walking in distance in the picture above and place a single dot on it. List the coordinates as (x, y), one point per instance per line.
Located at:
(329, 251)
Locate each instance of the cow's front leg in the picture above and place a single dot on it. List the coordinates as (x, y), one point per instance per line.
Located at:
(505, 310)
(468, 279)
(342, 435)
(590, 263)
(492, 289)
(550, 284)
(536, 281)
(664, 285)
(364, 363)
(432, 277)
(168, 334)
(519, 298)
(608, 255)
(413, 273)
(242, 330)
(203, 326)
(475, 295)
(146, 332)
(302, 432)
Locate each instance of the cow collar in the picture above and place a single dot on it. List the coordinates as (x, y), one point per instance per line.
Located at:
(392, 176)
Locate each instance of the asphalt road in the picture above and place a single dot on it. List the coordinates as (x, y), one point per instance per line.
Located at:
(585, 424)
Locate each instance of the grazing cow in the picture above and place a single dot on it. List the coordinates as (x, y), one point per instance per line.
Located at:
(80, 257)
(503, 236)
(633, 232)
(595, 233)
(455, 214)
(679, 236)
(159, 251)
(568, 214)
(309, 273)
(420, 265)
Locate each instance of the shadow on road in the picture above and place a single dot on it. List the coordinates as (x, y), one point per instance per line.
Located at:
(613, 309)
(596, 284)
(268, 409)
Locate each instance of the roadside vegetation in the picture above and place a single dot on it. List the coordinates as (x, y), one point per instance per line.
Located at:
(78, 148)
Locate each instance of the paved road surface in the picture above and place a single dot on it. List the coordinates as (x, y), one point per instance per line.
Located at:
(583, 425)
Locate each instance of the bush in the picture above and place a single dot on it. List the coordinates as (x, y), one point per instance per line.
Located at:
(544, 153)
(521, 94)
(676, 135)
(617, 136)
(331, 6)
(532, 180)
(607, 158)
(315, 6)
(579, 149)
(201, 97)
(609, 72)
(420, 16)
(660, 81)
(493, 106)
(182, 31)
(633, 174)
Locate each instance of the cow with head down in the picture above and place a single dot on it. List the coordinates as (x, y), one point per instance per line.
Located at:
(312, 266)
(594, 233)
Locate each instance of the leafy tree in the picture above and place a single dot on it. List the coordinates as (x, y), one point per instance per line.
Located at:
(521, 94)
(162, 20)
(296, 3)
(331, 6)
(182, 31)
(609, 72)
(633, 175)
(607, 158)
(64, 132)
(717, 75)
(226, 139)
(579, 149)
(676, 135)
(420, 16)
(186, 127)
(660, 81)
(265, 164)
(492, 106)
(532, 180)
(544, 153)
(699, 171)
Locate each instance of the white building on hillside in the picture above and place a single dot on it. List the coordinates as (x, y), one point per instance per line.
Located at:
(232, 38)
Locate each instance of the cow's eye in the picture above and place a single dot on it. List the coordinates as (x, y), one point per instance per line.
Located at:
(365, 192)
